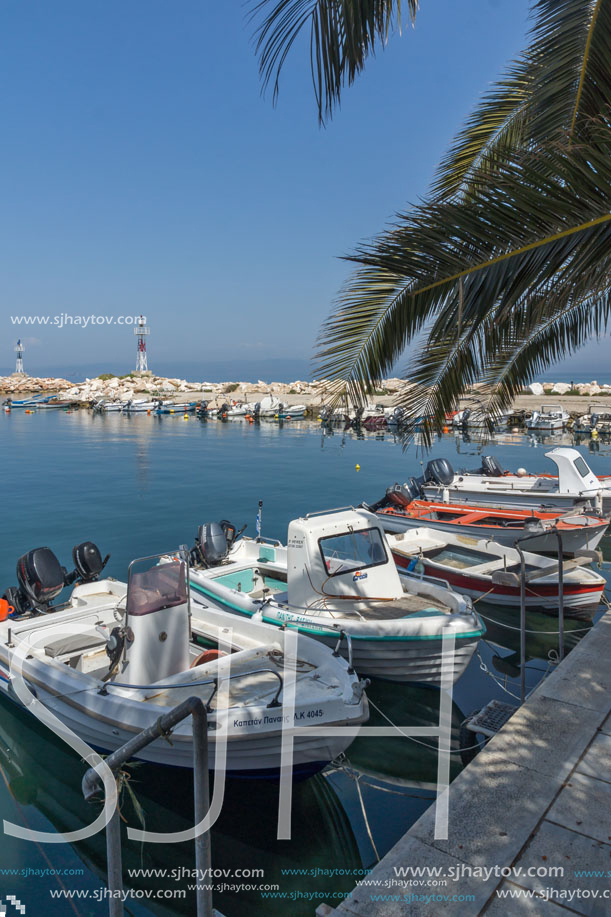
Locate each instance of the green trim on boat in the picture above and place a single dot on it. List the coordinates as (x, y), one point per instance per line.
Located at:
(309, 631)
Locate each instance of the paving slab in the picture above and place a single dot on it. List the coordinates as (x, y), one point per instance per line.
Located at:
(521, 904)
(494, 807)
(530, 738)
(597, 758)
(606, 726)
(470, 893)
(584, 805)
(556, 846)
(582, 679)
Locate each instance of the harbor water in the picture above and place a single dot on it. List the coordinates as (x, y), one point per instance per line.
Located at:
(138, 485)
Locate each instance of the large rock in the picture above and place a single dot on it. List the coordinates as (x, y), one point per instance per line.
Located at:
(535, 388)
(560, 388)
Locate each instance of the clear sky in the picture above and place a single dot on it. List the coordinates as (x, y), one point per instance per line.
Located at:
(142, 171)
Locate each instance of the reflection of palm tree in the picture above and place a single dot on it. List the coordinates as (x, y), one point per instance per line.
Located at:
(506, 265)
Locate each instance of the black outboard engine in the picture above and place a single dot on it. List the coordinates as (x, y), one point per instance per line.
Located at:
(439, 471)
(491, 466)
(464, 421)
(256, 411)
(41, 579)
(593, 420)
(88, 563)
(211, 546)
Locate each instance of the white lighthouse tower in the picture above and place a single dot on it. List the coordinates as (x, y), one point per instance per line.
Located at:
(141, 331)
(19, 348)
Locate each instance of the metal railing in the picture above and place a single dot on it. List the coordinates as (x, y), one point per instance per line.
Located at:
(508, 578)
(92, 784)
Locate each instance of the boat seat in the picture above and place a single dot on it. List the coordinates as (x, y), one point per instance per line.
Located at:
(71, 646)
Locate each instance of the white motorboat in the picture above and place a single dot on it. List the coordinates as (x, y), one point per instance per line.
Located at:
(479, 568)
(575, 484)
(550, 417)
(114, 657)
(337, 577)
(141, 406)
(598, 418)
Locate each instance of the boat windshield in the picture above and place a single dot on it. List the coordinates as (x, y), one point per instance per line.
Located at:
(354, 550)
(161, 586)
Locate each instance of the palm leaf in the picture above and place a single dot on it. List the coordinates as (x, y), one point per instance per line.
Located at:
(343, 34)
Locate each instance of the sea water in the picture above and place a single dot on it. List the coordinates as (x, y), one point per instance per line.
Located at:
(137, 485)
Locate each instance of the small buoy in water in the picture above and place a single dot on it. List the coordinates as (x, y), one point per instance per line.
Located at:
(149, 413)
(594, 434)
(446, 430)
(357, 467)
(186, 417)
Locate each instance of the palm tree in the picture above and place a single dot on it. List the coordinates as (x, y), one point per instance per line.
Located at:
(343, 34)
(506, 266)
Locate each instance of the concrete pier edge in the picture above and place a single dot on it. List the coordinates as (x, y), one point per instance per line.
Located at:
(537, 797)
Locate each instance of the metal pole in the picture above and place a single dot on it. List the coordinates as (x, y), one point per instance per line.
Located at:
(522, 624)
(114, 865)
(201, 804)
(560, 598)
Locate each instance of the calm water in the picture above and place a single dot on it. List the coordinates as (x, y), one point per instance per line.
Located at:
(140, 485)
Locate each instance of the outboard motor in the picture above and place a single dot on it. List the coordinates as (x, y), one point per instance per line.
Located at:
(593, 421)
(403, 494)
(439, 471)
(491, 466)
(464, 420)
(41, 578)
(211, 546)
(256, 411)
(88, 563)
(230, 532)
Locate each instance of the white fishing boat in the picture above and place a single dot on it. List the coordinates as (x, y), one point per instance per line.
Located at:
(141, 406)
(575, 484)
(479, 568)
(399, 512)
(335, 577)
(116, 656)
(175, 407)
(550, 417)
(598, 418)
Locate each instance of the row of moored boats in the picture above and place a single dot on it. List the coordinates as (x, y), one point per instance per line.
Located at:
(380, 590)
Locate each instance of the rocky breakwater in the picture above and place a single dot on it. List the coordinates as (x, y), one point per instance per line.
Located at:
(20, 384)
(564, 388)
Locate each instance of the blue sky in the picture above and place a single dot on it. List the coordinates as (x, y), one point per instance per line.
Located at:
(142, 171)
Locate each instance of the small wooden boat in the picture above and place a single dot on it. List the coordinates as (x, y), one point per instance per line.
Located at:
(578, 531)
(479, 568)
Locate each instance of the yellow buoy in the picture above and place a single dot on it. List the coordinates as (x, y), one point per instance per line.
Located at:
(358, 467)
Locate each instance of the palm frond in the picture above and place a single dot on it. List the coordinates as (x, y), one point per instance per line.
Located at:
(343, 34)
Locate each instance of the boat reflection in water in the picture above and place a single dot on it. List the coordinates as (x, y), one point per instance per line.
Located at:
(44, 777)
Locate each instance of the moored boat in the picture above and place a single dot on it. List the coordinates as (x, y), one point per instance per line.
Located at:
(336, 580)
(479, 568)
(575, 485)
(579, 532)
(115, 656)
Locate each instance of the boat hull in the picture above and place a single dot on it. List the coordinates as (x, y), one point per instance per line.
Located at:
(573, 541)
(577, 597)
(393, 656)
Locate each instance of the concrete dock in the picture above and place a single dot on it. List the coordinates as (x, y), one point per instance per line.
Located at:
(536, 800)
